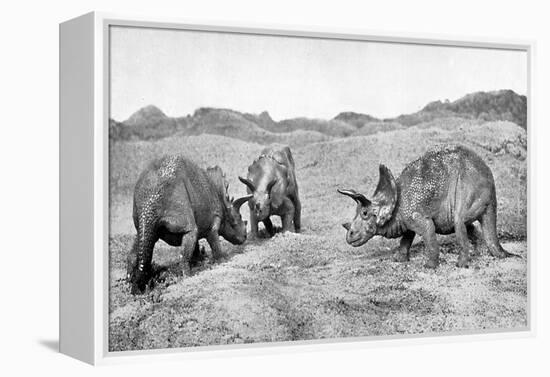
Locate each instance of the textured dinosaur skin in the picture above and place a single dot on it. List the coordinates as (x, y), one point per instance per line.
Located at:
(444, 191)
(271, 180)
(180, 203)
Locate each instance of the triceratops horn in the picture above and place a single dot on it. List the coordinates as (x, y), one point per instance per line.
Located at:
(239, 202)
(359, 198)
(270, 186)
(248, 183)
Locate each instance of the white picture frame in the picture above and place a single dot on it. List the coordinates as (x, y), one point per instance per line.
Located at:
(84, 119)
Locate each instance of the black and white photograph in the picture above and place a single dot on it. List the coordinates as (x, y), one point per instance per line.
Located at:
(277, 188)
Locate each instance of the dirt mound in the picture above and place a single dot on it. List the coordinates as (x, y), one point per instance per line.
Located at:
(370, 128)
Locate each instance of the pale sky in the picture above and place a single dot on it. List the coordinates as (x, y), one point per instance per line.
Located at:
(180, 71)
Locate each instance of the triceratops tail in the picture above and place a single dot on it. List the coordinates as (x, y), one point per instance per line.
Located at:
(145, 245)
(489, 228)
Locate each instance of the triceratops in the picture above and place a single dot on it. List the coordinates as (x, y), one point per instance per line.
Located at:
(272, 182)
(444, 191)
(178, 202)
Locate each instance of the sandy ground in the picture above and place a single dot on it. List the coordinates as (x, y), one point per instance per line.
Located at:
(313, 285)
(296, 287)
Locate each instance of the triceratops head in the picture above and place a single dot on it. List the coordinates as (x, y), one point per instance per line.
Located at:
(260, 203)
(232, 227)
(371, 215)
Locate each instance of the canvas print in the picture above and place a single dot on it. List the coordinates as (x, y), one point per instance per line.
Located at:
(271, 188)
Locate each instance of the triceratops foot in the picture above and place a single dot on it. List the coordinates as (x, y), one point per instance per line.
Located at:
(399, 256)
(503, 254)
(432, 263)
(463, 262)
(185, 268)
(198, 256)
(219, 255)
(138, 288)
(499, 252)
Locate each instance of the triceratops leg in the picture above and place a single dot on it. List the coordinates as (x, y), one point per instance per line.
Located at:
(198, 254)
(188, 243)
(464, 242)
(288, 217)
(475, 236)
(269, 226)
(214, 241)
(253, 225)
(297, 215)
(402, 253)
(426, 229)
(213, 238)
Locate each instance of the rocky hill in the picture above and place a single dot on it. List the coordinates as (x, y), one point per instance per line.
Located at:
(501, 105)
(236, 125)
(357, 120)
(150, 123)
